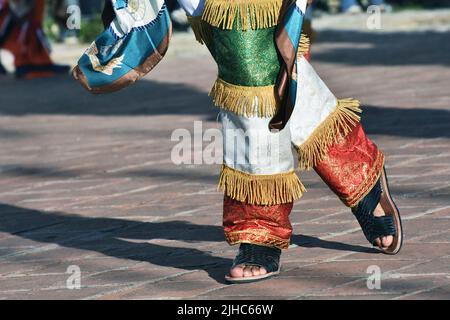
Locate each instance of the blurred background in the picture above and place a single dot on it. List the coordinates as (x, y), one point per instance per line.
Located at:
(91, 12)
(323, 14)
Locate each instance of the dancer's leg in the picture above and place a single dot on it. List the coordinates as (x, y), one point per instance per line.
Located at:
(260, 186)
(261, 225)
(330, 139)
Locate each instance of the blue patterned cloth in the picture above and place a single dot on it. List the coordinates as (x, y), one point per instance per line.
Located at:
(135, 41)
(287, 38)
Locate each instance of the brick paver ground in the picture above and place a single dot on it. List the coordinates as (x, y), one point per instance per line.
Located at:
(88, 181)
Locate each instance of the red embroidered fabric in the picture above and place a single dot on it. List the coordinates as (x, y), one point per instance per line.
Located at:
(352, 166)
(263, 225)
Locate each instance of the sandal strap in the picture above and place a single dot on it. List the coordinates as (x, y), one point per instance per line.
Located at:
(384, 226)
(373, 227)
(261, 256)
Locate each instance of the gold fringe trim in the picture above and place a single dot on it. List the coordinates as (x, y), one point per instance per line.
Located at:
(256, 14)
(260, 189)
(304, 45)
(338, 124)
(201, 29)
(244, 101)
(303, 48)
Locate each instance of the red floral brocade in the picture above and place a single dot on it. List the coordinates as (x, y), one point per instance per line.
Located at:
(352, 166)
(263, 225)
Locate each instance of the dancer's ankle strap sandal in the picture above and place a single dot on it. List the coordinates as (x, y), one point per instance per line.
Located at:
(255, 255)
(377, 227)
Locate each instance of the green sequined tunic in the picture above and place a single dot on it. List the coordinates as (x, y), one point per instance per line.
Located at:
(246, 58)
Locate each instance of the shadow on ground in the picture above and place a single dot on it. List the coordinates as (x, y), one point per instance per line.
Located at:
(414, 123)
(63, 96)
(150, 98)
(385, 48)
(313, 242)
(107, 236)
(114, 237)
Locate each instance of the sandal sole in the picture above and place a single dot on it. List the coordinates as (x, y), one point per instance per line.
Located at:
(387, 200)
(233, 280)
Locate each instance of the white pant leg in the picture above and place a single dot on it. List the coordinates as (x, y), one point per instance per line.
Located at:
(250, 147)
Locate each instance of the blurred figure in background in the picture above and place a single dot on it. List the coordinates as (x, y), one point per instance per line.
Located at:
(177, 14)
(353, 7)
(91, 7)
(21, 34)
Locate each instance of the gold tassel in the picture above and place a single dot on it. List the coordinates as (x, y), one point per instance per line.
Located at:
(254, 14)
(260, 189)
(338, 124)
(303, 46)
(244, 101)
(201, 29)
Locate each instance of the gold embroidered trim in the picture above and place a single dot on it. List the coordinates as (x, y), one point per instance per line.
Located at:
(256, 237)
(303, 46)
(244, 101)
(338, 123)
(254, 14)
(201, 29)
(260, 189)
(365, 187)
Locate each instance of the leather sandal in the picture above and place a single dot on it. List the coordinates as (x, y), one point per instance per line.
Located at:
(255, 255)
(377, 227)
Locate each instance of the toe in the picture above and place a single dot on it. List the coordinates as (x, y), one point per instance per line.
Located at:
(248, 272)
(237, 272)
(255, 271)
(262, 271)
(383, 242)
(387, 241)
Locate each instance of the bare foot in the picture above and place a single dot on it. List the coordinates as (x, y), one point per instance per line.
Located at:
(384, 242)
(247, 271)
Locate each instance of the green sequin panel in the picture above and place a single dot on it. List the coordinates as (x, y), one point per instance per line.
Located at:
(246, 58)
